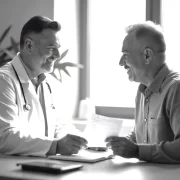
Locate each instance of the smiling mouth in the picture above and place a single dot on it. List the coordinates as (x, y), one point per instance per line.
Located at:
(50, 60)
(127, 68)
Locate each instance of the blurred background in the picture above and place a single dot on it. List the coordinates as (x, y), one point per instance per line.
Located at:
(92, 31)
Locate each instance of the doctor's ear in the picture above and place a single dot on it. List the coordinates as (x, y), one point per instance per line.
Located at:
(148, 54)
(28, 43)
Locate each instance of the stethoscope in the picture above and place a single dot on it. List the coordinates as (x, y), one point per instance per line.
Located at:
(27, 106)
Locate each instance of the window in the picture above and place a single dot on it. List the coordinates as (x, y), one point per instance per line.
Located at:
(67, 91)
(109, 83)
(171, 27)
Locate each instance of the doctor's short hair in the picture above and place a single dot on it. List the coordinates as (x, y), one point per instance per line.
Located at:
(150, 32)
(36, 25)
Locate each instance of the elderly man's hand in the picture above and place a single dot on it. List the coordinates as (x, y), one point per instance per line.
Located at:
(70, 144)
(123, 147)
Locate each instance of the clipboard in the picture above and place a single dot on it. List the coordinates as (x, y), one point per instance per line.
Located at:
(87, 156)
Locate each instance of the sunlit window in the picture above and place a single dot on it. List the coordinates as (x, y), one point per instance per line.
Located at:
(65, 13)
(109, 84)
(171, 27)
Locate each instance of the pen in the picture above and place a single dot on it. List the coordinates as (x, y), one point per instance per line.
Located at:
(97, 148)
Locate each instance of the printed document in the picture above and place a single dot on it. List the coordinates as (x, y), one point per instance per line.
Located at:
(100, 127)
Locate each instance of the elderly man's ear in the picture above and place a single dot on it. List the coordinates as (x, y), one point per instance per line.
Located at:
(148, 54)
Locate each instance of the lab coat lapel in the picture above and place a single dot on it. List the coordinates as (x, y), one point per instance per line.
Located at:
(28, 88)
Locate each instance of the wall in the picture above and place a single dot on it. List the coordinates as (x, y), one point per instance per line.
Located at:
(17, 12)
(117, 112)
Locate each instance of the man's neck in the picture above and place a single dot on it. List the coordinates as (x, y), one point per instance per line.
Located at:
(151, 74)
(29, 70)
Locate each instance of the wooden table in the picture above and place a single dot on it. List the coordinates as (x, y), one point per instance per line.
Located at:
(113, 169)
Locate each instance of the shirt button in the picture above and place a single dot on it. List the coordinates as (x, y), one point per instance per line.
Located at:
(147, 99)
(144, 140)
(145, 119)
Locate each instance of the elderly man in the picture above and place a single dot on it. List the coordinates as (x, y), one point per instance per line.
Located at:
(27, 114)
(156, 136)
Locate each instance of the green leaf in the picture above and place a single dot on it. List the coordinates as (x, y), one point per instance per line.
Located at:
(15, 45)
(67, 64)
(63, 54)
(60, 76)
(63, 67)
(5, 33)
(66, 71)
(9, 53)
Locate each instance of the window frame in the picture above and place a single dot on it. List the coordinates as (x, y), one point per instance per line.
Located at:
(153, 13)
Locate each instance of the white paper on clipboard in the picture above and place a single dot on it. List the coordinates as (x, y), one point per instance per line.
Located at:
(100, 127)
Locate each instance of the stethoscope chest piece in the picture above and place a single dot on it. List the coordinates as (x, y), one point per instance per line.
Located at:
(27, 107)
(52, 106)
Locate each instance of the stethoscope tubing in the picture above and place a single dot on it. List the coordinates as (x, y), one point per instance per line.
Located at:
(27, 105)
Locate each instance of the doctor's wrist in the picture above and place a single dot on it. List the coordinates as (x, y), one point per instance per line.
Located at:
(137, 152)
(52, 150)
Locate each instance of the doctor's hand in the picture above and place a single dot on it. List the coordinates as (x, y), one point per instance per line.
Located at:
(122, 146)
(70, 144)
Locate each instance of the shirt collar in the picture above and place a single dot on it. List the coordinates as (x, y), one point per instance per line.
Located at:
(155, 86)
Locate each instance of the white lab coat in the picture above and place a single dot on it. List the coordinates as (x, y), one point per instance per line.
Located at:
(22, 131)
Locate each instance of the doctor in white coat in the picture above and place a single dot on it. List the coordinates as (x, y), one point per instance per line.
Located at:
(27, 114)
